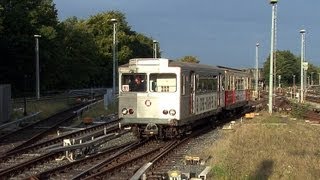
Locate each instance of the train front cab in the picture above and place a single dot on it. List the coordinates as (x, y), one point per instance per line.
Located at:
(147, 110)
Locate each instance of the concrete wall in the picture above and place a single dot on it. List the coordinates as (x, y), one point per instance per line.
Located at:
(5, 102)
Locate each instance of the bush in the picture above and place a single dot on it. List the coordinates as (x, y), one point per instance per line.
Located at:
(299, 110)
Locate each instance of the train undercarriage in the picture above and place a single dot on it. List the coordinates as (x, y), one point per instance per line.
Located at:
(175, 131)
(160, 131)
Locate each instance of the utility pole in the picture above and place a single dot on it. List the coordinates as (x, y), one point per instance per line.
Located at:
(273, 3)
(312, 78)
(257, 72)
(294, 85)
(114, 21)
(155, 48)
(37, 66)
(302, 32)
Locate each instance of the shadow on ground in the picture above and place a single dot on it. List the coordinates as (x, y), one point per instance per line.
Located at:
(264, 170)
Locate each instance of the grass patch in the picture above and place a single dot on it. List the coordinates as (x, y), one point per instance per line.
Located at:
(219, 170)
(96, 111)
(99, 110)
(276, 118)
(51, 107)
(257, 149)
(47, 108)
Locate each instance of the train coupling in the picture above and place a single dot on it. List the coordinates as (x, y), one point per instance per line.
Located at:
(151, 129)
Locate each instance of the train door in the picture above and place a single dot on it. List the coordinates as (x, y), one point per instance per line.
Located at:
(222, 88)
(192, 92)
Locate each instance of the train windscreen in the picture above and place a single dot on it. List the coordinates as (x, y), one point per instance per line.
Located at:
(133, 82)
(163, 82)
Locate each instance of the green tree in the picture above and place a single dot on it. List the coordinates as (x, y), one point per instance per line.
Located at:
(1, 18)
(189, 59)
(286, 65)
(73, 53)
(75, 61)
(130, 44)
(312, 73)
(21, 19)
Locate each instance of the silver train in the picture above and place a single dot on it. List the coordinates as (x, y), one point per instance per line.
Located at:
(165, 98)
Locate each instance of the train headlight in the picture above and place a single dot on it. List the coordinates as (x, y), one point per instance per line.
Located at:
(165, 112)
(172, 112)
(124, 111)
(131, 111)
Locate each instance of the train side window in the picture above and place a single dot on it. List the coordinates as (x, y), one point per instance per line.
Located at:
(223, 81)
(229, 82)
(215, 83)
(207, 84)
(240, 83)
(197, 82)
(183, 84)
(236, 84)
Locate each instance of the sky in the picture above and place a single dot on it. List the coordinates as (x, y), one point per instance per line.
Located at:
(216, 32)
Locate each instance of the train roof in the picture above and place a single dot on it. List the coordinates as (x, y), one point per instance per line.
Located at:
(172, 63)
(229, 68)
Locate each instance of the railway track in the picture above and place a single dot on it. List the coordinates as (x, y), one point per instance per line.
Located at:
(35, 159)
(313, 98)
(110, 120)
(39, 161)
(84, 135)
(313, 115)
(32, 133)
(70, 170)
(123, 162)
(116, 162)
(136, 161)
(159, 165)
(282, 104)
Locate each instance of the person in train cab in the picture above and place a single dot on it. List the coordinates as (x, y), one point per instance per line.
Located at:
(139, 84)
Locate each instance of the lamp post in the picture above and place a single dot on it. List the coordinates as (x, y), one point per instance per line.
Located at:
(257, 70)
(273, 3)
(36, 36)
(294, 80)
(302, 32)
(114, 21)
(312, 78)
(294, 84)
(155, 48)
